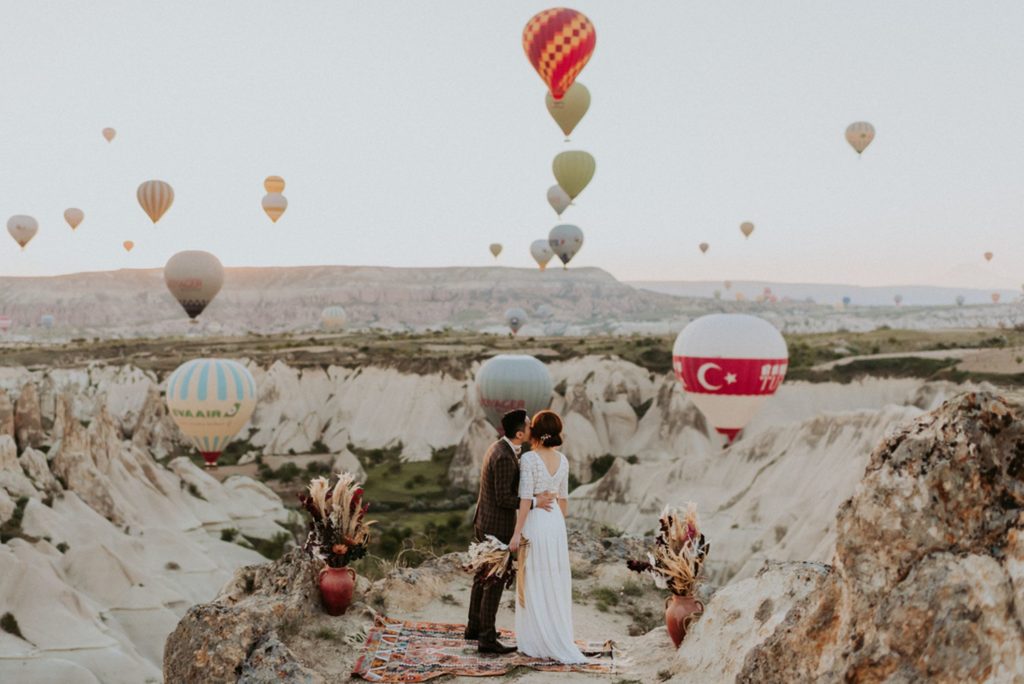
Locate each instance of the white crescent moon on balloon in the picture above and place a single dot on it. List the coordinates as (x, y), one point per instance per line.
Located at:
(703, 380)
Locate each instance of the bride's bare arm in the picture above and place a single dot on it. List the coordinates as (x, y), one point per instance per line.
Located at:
(564, 505)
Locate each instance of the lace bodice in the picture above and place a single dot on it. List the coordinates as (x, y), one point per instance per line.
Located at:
(535, 478)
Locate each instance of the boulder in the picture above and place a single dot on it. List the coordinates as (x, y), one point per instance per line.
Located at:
(28, 422)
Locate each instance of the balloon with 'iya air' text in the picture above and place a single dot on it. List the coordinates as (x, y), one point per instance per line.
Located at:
(729, 364)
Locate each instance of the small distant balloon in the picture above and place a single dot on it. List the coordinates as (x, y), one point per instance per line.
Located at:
(898, 299)
(746, 228)
(541, 252)
(274, 204)
(73, 217)
(859, 135)
(846, 301)
(728, 284)
(333, 318)
(559, 42)
(988, 256)
(273, 184)
(128, 245)
(960, 300)
(704, 247)
(22, 228)
(109, 134)
(995, 297)
(495, 248)
(558, 199)
(568, 111)
(46, 321)
(573, 170)
(194, 278)
(155, 198)
(515, 318)
(565, 240)
(5, 323)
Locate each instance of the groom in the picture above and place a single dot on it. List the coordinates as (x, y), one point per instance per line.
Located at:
(496, 507)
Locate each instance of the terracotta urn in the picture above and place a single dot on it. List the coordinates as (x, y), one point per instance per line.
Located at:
(680, 612)
(336, 587)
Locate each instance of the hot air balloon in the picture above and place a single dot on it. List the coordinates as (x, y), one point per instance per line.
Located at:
(859, 135)
(568, 111)
(46, 321)
(541, 252)
(846, 301)
(73, 217)
(495, 248)
(717, 294)
(515, 318)
(558, 200)
(746, 228)
(5, 323)
(740, 297)
(273, 184)
(704, 247)
(511, 381)
(728, 284)
(22, 228)
(194, 278)
(155, 197)
(728, 365)
(210, 400)
(109, 134)
(898, 299)
(558, 42)
(274, 204)
(988, 256)
(565, 240)
(128, 245)
(995, 297)
(960, 300)
(573, 170)
(333, 318)
(544, 312)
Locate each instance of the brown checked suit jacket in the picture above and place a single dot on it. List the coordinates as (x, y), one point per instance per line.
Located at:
(498, 500)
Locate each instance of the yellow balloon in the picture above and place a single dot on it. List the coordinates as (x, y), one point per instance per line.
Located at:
(155, 197)
(109, 134)
(573, 170)
(988, 256)
(274, 204)
(704, 247)
(274, 184)
(568, 111)
(746, 228)
(495, 248)
(73, 217)
(22, 228)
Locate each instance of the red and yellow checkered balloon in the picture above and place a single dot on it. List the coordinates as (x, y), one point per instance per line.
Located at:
(558, 42)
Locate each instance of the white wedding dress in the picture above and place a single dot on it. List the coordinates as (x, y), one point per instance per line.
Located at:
(544, 623)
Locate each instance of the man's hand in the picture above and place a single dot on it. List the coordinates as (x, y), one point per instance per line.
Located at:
(545, 500)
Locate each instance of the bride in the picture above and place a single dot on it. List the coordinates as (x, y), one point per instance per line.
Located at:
(544, 591)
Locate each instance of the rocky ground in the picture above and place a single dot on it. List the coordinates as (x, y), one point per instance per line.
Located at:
(925, 585)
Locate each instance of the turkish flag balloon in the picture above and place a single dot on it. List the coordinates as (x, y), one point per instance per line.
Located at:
(729, 364)
(558, 42)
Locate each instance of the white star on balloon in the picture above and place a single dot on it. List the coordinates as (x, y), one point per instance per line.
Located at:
(730, 378)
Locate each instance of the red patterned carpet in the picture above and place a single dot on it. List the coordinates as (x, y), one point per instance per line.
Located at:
(397, 651)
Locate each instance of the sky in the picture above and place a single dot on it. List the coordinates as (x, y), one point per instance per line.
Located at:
(415, 134)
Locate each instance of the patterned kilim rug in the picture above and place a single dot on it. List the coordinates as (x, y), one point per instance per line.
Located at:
(397, 651)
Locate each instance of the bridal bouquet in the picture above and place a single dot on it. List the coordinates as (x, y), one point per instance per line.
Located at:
(490, 561)
(338, 532)
(679, 552)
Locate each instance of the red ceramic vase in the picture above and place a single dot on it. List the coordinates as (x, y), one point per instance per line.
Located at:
(336, 587)
(680, 612)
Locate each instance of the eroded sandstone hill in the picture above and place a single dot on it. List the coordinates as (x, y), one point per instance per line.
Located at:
(926, 584)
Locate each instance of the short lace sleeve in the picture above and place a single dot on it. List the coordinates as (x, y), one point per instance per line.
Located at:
(526, 476)
(563, 482)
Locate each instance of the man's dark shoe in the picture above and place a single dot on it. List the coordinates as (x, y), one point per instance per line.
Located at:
(496, 648)
(471, 634)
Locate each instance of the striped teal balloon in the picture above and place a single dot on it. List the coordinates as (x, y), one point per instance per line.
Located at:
(210, 400)
(333, 318)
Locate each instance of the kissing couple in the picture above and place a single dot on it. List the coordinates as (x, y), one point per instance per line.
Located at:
(523, 502)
